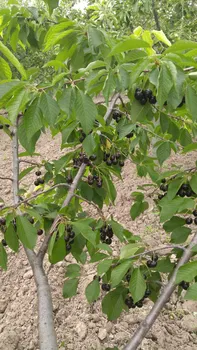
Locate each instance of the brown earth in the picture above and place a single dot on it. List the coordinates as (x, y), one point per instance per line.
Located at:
(81, 326)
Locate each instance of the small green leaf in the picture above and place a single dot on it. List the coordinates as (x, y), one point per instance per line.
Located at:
(187, 272)
(3, 257)
(26, 171)
(163, 152)
(137, 285)
(70, 287)
(72, 271)
(113, 303)
(117, 229)
(92, 291)
(191, 293)
(128, 250)
(119, 272)
(173, 223)
(137, 209)
(129, 44)
(98, 256)
(11, 238)
(104, 266)
(26, 232)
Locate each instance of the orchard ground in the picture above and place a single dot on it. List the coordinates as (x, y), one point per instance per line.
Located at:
(81, 326)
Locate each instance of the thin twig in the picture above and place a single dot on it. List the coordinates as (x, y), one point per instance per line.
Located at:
(29, 162)
(161, 301)
(111, 106)
(148, 252)
(6, 178)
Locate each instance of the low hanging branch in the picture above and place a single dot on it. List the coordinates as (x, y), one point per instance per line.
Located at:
(161, 301)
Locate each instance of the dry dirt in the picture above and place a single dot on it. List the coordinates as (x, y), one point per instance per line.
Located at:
(81, 326)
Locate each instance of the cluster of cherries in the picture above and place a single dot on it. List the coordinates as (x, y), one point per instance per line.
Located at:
(184, 191)
(2, 226)
(106, 234)
(190, 220)
(95, 179)
(130, 302)
(69, 237)
(113, 159)
(39, 180)
(83, 159)
(6, 125)
(116, 115)
(145, 95)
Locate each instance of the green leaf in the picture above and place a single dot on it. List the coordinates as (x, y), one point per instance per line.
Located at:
(86, 111)
(26, 232)
(164, 84)
(26, 171)
(49, 108)
(86, 231)
(67, 131)
(6, 72)
(163, 152)
(180, 234)
(137, 209)
(129, 44)
(11, 238)
(164, 122)
(113, 303)
(128, 250)
(109, 86)
(173, 223)
(185, 137)
(174, 187)
(182, 45)
(89, 144)
(9, 55)
(137, 285)
(191, 101)
(58, 251)
(159, 34)
(119, 272)
(111, 190)
(92, 291)
(66, 101)
(3, 257)
(104, 266)
(95, 37)
(190, 148)
(176, 205)
(164, 266)
(16, 103)
(191, 293)
(98, 256)
(117, 229)
(32, 119)
(70, 287)
(139, 112)
(193, 183)
(52, 5)
(57, 32)
(187, 272)
(72, 271)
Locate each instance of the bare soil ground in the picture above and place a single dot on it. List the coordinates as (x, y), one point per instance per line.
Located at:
(81, 326)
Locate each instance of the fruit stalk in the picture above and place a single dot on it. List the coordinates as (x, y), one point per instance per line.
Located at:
(161, 301)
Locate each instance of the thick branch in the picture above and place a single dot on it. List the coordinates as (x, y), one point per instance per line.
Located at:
(155, 14)
(160, 303)
(111, 106)
(44, 246)
(47, 335)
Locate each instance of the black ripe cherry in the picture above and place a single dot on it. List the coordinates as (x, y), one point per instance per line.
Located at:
(188, 221)
(4, 243)
(106, 287)
(195, 212)
(2, 221)
(39, 232)
(151, 263)
(38, 173)
(121, 163)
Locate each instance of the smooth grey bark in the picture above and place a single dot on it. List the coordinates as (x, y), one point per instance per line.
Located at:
(145, 326)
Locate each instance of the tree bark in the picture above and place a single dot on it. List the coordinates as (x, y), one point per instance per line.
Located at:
(47, 335)
(145, 326)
